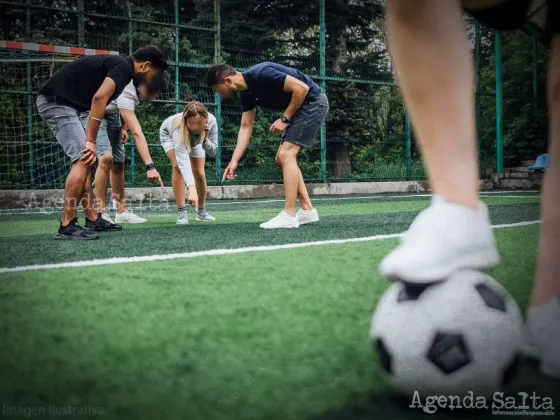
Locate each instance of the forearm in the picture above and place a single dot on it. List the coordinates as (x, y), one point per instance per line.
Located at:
(142, 147)
(210, 147)
(297, 99)
(243, 139)
(96, 115)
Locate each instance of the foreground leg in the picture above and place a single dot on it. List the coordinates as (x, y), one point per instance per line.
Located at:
(543, 316)
(429, 46)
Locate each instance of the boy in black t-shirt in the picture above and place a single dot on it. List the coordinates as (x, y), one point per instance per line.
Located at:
(90, 83)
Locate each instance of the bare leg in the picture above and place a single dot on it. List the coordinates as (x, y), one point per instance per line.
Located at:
(286, 158)
(430, 50)
(117, 186)
(74, 190)
(87, 202)
(177, 181)
(303, 195)
(101, 181)
(200, 180)
(547, 280)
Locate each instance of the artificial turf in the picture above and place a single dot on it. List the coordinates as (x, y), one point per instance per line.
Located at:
(271, 335)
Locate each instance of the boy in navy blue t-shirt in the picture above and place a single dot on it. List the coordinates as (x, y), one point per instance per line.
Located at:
(305, 107)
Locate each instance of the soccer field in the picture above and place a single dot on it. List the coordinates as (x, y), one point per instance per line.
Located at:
(222, 320)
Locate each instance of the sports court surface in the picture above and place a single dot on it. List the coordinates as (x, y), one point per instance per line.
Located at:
(222, 320)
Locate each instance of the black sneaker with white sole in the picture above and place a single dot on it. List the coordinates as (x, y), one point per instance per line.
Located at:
(74, 232)
(102, 225)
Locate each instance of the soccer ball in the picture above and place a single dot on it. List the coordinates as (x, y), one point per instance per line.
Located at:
(451, 338)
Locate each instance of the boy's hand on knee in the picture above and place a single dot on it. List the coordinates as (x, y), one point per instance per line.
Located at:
(89, 154)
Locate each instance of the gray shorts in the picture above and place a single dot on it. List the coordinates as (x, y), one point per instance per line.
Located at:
(306, 123)
(108, 136)
(65, 125)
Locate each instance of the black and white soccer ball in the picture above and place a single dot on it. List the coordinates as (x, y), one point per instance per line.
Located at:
(451, 338)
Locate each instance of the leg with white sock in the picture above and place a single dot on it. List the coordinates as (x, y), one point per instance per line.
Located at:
(543, 316)
(429, 46)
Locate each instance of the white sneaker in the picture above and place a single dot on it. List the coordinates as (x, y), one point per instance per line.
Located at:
(307, 216)
(183, 218)
(128, 216)
(282, 221)
(106, 216)
(443, 239)
(542, 340)
(203, 216)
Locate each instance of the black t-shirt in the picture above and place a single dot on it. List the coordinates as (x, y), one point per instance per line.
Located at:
(77, 82)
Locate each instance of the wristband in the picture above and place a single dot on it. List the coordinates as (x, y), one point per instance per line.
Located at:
(96, 119)
(150, 166)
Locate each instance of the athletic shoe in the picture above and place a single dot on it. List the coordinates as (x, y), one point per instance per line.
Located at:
(107, 216)
(128, 216)
(183, 218)
(73, 231)
(542, 341)
(443, 239)
(282, 221)
(203, 216)
(102, 225)
(307, 216)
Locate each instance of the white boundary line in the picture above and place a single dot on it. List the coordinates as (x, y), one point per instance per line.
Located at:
(215, 252)
(225, 202)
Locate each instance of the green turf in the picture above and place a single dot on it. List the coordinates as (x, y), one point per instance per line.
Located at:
(271, 335)
(29, 239)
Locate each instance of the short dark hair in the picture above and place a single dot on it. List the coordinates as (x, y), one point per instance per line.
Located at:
(152, 54)
(217, 73)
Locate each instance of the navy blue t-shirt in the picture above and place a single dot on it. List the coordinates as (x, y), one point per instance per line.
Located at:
(266, 87)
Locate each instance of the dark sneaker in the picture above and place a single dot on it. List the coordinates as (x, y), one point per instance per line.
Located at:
(73, 231)
(102, 225)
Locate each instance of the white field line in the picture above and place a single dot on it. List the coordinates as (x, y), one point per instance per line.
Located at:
(215, 252)
(250, 202)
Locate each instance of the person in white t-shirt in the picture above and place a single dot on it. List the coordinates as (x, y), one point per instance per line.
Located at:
(110, 149)
(186, 138)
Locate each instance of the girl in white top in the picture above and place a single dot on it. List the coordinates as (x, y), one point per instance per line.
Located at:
(186, 138)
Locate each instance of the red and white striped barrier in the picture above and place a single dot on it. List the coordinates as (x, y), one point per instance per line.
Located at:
(29, 46)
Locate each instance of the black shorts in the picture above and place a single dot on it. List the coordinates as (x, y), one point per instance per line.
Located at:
(511, 14)
(306, 123)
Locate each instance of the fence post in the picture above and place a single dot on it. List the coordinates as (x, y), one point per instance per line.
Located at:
(478, 107)
(81, 24)
(29, 89)
(217, 99)
(323, 75)
(408, 145)
(499, 104)
(535, 72)
(177, 88)
(132, 143)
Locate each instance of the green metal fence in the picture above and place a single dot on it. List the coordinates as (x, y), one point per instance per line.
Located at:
(342, 45)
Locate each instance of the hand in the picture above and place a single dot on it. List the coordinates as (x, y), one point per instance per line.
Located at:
(206, 131)
(154, 178)
(229, 172)
(89, 155)
(278, 126)
(124, 136)
(193, 197)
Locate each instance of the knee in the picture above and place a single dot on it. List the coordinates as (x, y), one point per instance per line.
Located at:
(200, 177)
(118, 167)
(283, 157)
(106, 161)
(402, 10)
